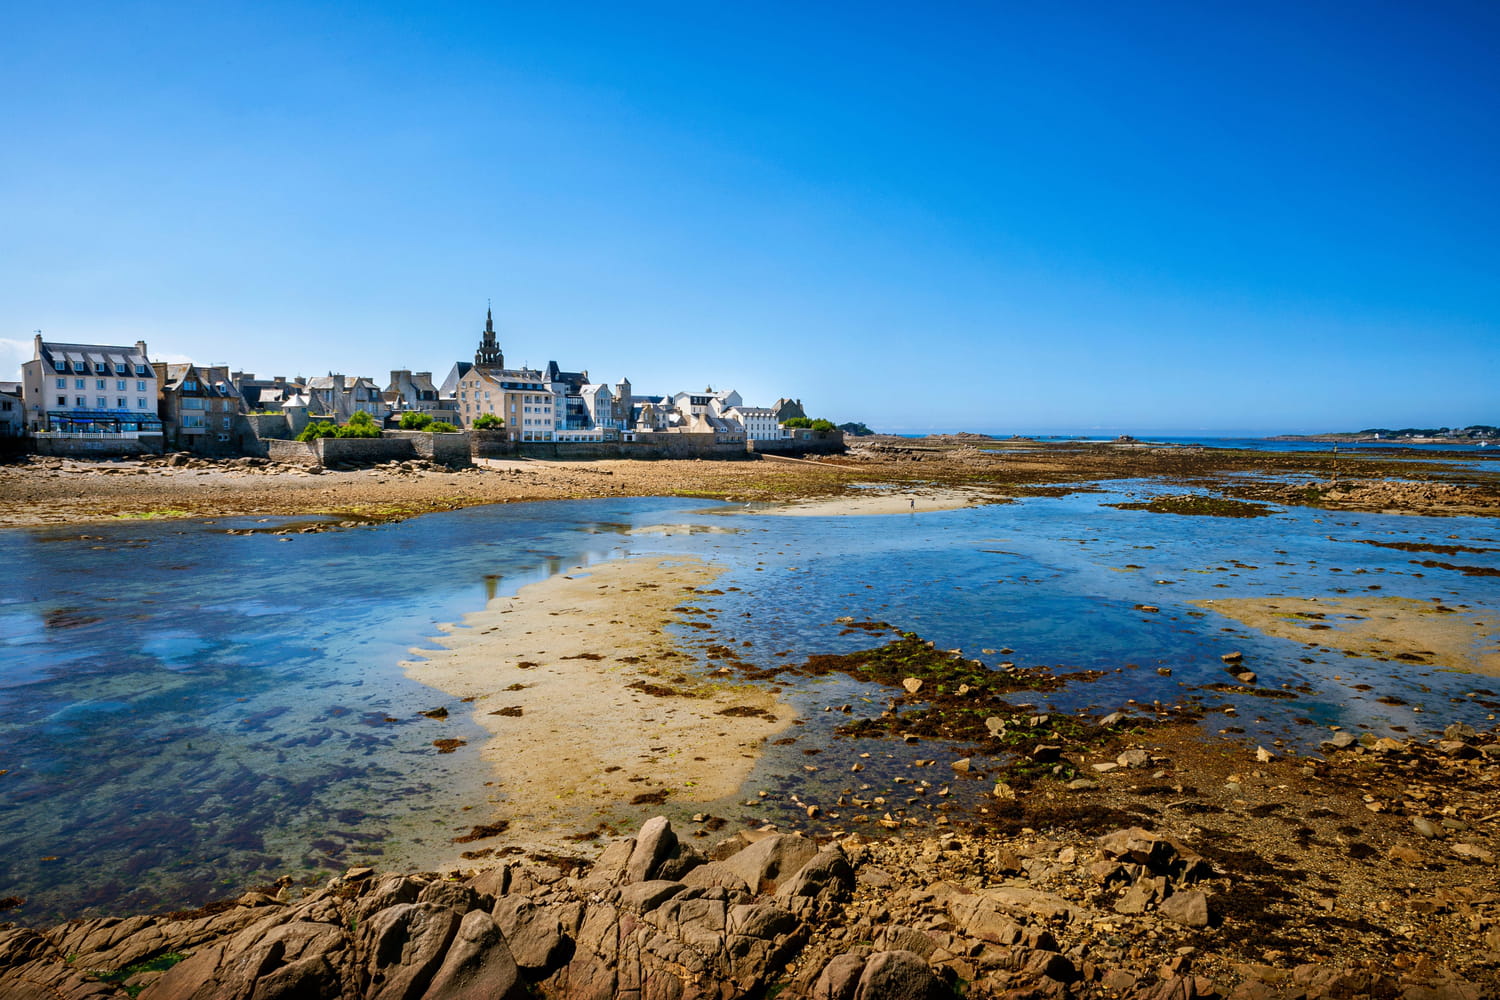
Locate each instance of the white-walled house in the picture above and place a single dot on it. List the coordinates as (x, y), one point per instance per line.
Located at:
(90, 390)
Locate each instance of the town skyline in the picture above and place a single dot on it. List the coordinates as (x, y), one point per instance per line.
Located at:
(1156, 218)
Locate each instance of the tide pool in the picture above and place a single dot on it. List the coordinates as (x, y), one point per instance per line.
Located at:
(185, 712)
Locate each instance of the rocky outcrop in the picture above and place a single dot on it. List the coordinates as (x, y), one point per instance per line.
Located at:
(1123, 914)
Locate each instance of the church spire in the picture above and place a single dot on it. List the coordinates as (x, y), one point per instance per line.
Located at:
(489, 354)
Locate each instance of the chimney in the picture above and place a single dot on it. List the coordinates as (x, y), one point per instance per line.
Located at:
(140, 348)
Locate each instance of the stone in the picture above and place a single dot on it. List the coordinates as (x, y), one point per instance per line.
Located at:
(1426, 827)
(643, 897)
(1190, 909)
(1133, 758)
(404, 945)
(897, 975)
(840, 977)
(765, 863)
(478, 965)
(819, 886)
(912, 684)
(654, 844)
(533, 934)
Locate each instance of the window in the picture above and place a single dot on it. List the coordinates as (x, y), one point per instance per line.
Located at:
(120, 403)
(140, 387)
(62, 400)
(192, 420)
(103, 403)
(99, 383)
(140, 369)
(192, 403)
(80, 367)
(61, 366)
(62, 383)
(140, 404)
(226, 423)
(78, 383)
(119, 385)
(120, 368)
(190, 386)
(78, 401)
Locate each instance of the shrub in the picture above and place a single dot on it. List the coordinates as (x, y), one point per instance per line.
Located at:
(321, 429)
(823, 425)
(414, 420)
(441, 427)
(801, 423)
(488, 421)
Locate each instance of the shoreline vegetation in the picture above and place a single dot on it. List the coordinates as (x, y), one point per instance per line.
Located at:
(1142, 855)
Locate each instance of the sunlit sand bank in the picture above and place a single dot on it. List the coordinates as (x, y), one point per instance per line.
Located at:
(590, 703)
(1393, 628)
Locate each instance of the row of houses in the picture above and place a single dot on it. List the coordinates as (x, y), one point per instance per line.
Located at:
(93, 392)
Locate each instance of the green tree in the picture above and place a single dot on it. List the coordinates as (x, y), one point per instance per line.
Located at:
(441, 427)
(488, 421)
(415, 420)
(360, 425)
(823, 425)
(800, 423)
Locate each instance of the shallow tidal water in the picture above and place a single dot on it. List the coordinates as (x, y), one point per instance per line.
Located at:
(185, 712)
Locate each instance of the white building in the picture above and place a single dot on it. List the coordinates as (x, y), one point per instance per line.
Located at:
(90, 390)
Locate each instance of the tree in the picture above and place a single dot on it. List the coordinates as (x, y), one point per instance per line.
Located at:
(441, 427)
(823, 426)
(488, 421)
(798, 423)
(360, 425)
(415, 420)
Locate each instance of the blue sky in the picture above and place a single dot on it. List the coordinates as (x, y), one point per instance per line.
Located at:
(1094, 216)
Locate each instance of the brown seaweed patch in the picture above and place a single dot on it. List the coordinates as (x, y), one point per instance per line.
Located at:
(483, 831)
(1200, 506)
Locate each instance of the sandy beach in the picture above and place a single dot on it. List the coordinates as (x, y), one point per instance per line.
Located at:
(1386, 628)
(596, 714)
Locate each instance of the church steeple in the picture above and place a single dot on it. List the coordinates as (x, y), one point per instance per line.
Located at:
(489, 354)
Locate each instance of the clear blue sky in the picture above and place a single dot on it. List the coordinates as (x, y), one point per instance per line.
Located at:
(1008, 217)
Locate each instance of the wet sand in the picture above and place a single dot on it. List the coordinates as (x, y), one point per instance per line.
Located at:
(592, 705)
(879, 502)
(1387, 628)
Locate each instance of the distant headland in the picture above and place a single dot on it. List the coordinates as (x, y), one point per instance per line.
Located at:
(1476, 434)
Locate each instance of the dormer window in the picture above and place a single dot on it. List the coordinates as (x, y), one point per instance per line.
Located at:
(119, 368)
(140, 369)
(61, 366)
(80, 367)
(190, 386)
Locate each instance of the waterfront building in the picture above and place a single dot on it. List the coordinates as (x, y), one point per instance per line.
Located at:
(338, 397)
(200, 408)
(759, 422)
(11, 409)
(90, 391)
(519, 396)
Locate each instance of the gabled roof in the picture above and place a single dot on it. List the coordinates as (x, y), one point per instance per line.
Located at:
(93, 354)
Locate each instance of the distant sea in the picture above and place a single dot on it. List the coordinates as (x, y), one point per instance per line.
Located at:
(1249, 443)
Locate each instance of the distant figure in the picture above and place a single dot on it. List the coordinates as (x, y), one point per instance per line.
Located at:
(913, 502)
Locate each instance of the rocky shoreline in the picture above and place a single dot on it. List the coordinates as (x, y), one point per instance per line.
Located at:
(1187, 869)
(51, 491)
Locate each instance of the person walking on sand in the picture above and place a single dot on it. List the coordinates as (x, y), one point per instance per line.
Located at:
(913, 502)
